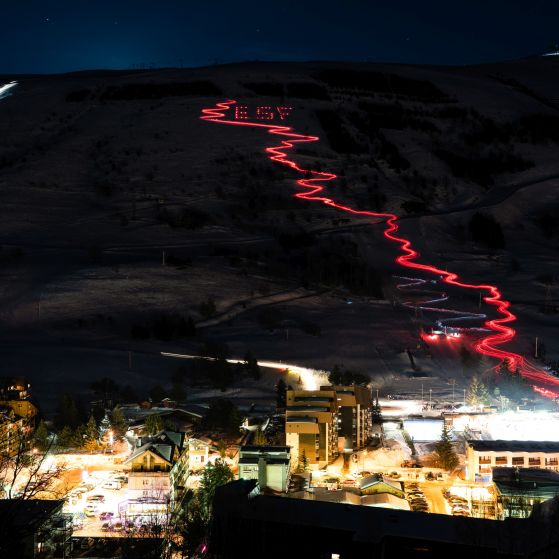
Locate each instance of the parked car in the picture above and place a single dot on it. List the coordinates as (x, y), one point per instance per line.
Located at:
(117, 527)
(98, 498)
(106, 527)
(457, 501)
(461, 513)
(90, 509)
(106, 516)
(460, 508)
(112, 484)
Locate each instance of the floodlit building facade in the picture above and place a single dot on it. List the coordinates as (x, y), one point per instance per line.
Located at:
(269, 465)
(354, 415)
(158, 468)
(311, 426)
(482, 457)
(198, 452)
(518, 490)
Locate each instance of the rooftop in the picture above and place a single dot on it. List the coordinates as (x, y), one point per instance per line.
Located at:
(515, 446)
(264, 448)
(301, 419)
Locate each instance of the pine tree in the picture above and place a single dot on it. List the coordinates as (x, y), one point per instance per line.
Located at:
(484, 397)
(260, 438)
(473, 395)
(335, 376)
(78, 436)
(41, 436)
(444, 449)
(504, 368)
(281, 389)
(120, 426)
(91, 441)
(304, 462)
(104, 426)
(153, 424)
(213, 476)
(64, 438)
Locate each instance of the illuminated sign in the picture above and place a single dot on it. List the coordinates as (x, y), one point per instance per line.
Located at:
(262, 112)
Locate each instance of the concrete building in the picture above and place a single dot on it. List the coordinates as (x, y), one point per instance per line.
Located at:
(483, 456)
(354, 415)
(269, 465)
(518, 490)
(311, 426)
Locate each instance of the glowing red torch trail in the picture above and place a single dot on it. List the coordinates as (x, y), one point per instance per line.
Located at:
(313, 185)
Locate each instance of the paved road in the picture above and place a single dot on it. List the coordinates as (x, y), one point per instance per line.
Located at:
(434, 494)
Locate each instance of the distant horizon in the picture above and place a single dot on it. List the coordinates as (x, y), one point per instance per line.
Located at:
(147, 68)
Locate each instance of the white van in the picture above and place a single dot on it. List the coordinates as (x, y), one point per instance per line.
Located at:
(112, 484)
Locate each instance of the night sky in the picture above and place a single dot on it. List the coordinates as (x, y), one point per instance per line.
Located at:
(66, 35)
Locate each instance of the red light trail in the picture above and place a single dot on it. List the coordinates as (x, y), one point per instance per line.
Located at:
(313, 184)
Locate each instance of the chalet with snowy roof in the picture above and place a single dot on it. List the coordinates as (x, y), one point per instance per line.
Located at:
(158, 467)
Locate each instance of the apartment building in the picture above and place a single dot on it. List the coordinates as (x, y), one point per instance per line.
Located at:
(311, 426)
(354, 415)
(483, 456)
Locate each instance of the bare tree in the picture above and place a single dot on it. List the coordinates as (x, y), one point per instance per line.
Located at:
(24, 470)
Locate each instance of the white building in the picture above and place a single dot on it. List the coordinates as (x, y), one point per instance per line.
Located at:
(198, 452)
(483, 456)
